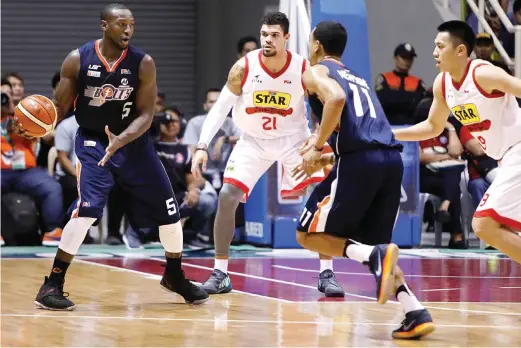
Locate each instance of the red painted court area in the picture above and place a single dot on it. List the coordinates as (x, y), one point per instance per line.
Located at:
(432, 280)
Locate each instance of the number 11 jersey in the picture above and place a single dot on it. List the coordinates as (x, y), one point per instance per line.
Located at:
(107, 93)
(363, 124)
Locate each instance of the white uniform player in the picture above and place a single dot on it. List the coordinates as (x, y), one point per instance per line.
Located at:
(266, 92)
(272, 116)
(494, 119)
(482, 97)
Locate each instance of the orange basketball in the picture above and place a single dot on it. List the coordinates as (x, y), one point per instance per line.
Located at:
(37, 114)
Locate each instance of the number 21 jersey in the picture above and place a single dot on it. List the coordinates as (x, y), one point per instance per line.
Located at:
(107, 93)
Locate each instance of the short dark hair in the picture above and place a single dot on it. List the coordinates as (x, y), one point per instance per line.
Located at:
(15, 75)
(5, 81)
(517, 6)
(460, 31)
(213, 89)
(177, 109)
(276, 18)
(55, 79)
(244, 40)
(107, 10)
(332, 36)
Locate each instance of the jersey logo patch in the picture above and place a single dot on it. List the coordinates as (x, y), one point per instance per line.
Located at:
(106, 93)
(271, 102)
(466, 113)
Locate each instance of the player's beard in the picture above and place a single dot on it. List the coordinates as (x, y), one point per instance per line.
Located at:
(272, 53)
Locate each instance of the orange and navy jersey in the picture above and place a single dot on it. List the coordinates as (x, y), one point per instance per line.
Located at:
(404, 82)
(17, 152)
(107, 93)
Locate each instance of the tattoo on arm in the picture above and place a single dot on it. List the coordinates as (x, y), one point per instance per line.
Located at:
(235, 77)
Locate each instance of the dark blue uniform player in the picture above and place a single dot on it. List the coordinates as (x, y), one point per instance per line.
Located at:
(115, 86)
(352, 213)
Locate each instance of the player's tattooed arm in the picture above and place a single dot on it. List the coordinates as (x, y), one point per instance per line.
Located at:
(236, 75)
(66, 90)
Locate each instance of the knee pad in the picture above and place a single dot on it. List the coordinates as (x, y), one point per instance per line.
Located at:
(171, 237)
(74, 233)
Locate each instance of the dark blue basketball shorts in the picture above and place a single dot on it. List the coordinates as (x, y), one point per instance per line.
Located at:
(136, 168)
(359, 199)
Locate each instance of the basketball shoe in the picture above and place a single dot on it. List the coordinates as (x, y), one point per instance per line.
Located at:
(52, 238)
(382, 260)
(218, 283)
(52, 297)
(176, 282)
(415, 325)
(328, 285)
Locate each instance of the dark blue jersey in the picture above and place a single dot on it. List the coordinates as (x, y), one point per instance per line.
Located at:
(363, 124)
(107, 95)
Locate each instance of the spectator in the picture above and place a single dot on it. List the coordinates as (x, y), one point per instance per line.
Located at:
(220, 148)
(17, 83)
(509, 39)
(399, 92)
(20, 174)
(245, 45)
(484, 49)
(197, 199)
(440, 173)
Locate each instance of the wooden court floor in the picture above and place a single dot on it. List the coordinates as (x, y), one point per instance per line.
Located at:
(124, 307)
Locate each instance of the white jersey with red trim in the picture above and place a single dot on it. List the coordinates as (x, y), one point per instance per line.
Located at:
(271, 104)
(494, 119)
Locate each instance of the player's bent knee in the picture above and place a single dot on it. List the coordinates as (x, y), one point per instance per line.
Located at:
(171, 237)
(484, 227)
(302, 238)
(230, 195)
(74, 233)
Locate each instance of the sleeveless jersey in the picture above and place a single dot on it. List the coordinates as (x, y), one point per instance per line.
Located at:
(272, 104)
(107, 95)
(493, 119)
(363, 124)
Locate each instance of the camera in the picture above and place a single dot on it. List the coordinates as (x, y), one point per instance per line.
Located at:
(5, 99)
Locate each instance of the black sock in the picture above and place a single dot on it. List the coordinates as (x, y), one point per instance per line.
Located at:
(59, 268)
(400, 289)
(173, 265)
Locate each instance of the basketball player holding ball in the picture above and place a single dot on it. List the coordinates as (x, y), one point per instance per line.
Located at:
(115, 86)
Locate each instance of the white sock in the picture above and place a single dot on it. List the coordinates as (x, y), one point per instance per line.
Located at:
(359, 252)
(326, 264)
(221, 265)
(407, 299)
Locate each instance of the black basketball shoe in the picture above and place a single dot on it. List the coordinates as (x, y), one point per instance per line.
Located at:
(52, 297)
(176, 282)
(415, 325)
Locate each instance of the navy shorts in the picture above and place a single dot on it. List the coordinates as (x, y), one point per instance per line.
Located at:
(136, 168)
(359, 199)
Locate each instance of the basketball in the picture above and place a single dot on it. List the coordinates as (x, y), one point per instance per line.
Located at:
(37, 114)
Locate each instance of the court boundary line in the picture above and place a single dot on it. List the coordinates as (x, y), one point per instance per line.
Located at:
(278, 322)
(158, 277)
(297, 269)
(245, 275)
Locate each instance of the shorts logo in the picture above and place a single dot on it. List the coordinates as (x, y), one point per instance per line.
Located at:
(89, 143)
(106, 93)
(466, 113)
(271, 102)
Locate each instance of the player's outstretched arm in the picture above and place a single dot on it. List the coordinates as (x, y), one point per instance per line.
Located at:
(66, 89)
(434, 124)
(492, 78)
(145, 101)
(217, 115)
(318, 82)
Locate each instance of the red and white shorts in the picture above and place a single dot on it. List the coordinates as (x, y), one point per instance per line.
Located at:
(502, 201)
(252, 157)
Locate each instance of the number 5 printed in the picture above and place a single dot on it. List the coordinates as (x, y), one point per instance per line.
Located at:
(171, 206)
